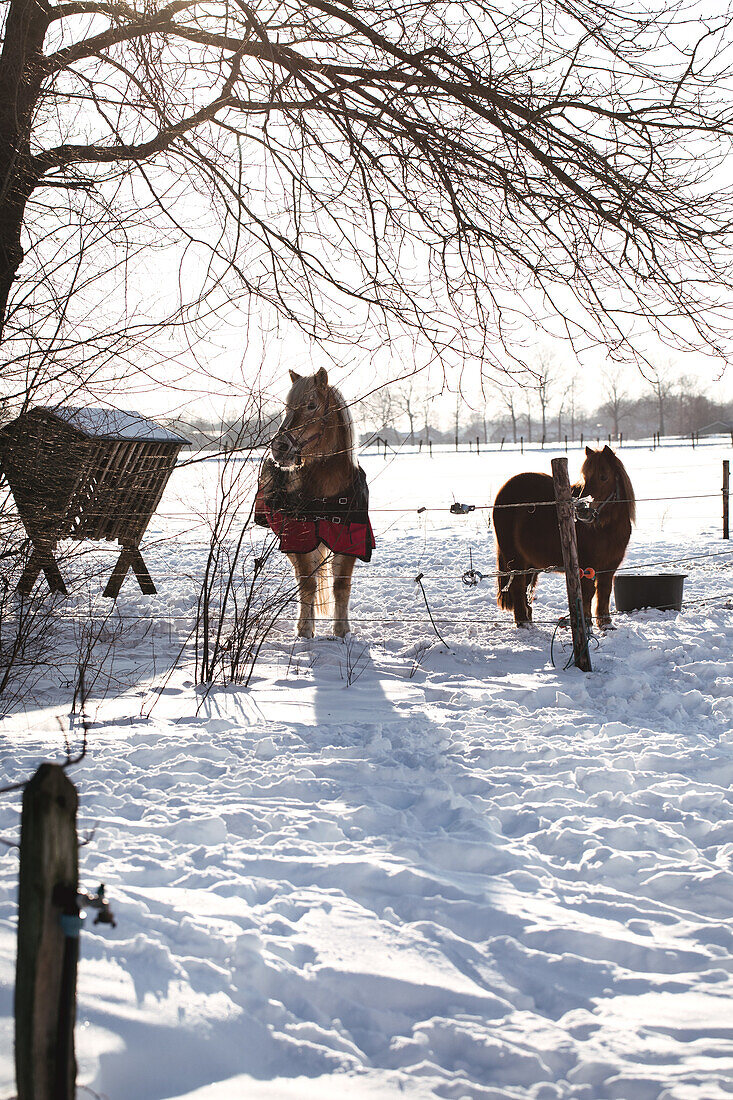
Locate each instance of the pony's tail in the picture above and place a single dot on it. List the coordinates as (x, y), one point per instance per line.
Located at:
(503, 594)
(323, 602)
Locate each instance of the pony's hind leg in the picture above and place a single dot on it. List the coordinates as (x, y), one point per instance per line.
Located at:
(342, 567)
(518, 591)
(306, 568)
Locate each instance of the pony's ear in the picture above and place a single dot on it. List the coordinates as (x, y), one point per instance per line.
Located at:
(294, 376)
(607, 451)
(588, 451)
(321, 380)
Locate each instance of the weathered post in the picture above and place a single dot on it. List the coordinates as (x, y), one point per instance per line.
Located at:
(726, 496)
(45, 981)
(521, 444)
(566, 522)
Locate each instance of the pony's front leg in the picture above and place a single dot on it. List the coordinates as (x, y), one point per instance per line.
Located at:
(587, 586)
(603, 598)
(342, 567)
(306, 574)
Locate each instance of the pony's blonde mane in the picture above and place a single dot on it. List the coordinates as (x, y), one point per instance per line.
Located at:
(346, 426)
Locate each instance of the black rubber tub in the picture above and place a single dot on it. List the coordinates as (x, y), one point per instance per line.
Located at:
(632, 591)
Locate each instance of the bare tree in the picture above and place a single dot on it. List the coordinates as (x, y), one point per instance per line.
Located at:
(570, 397)
(407, 397)
(544, 371)
(427, 407)
(528, 393)
(376, 411)
(433, 167)
(659, 378)
(508, 396)
(616, 405)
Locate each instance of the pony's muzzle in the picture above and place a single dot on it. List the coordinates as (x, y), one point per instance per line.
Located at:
(585, 510)
(285, 452)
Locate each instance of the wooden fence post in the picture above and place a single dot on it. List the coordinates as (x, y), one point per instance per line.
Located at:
(566, 521)
(726, 496)
(45, 980)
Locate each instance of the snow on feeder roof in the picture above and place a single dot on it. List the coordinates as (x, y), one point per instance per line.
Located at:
(122, 424)
(86, 474)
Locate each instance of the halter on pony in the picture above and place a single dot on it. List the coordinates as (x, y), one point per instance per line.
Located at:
(588, 510)
(296, 445)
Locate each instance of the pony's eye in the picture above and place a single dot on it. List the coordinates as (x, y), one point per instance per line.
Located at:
(312, 406)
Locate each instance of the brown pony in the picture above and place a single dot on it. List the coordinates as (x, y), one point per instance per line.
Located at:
(528, 537)
(314, 496)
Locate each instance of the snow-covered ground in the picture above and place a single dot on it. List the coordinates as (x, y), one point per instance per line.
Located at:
(396, 868)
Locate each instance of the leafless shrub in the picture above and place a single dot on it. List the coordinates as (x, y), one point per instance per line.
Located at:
(244, 592)
(28, 640)
(355, 660)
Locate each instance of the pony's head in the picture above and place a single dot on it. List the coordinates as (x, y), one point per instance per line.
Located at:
(316, 424)
(606, 481)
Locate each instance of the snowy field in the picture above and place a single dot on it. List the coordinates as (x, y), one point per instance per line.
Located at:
(397, 868)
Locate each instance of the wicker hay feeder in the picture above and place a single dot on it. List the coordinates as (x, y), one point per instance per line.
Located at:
(86, 474)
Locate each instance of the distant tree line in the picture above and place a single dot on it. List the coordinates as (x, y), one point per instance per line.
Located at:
(406, 413)
(548, 411)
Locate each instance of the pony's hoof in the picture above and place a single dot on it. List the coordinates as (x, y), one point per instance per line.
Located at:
(303, 632)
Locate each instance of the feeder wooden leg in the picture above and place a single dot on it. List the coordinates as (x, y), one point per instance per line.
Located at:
(42, 559)
(130, 558)
(141, 572)
(114, 584)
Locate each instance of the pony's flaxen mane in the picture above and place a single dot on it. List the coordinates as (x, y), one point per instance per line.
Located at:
(346, 427)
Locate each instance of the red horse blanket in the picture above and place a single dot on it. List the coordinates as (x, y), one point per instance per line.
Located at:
(302, 522)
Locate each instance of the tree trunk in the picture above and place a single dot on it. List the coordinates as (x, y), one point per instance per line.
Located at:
(20, 85)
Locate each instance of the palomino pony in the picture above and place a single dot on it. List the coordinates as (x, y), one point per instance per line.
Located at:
(315, 498)
(528, 536)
